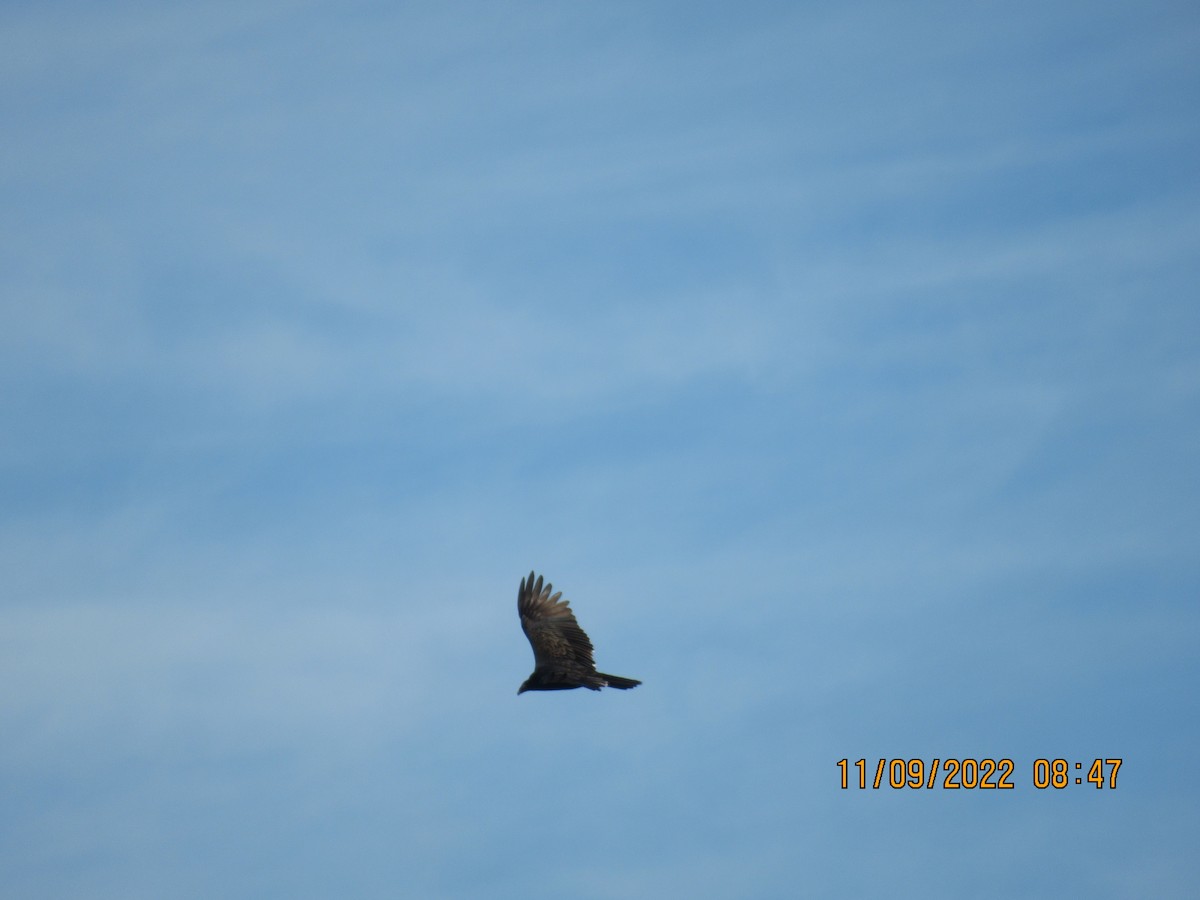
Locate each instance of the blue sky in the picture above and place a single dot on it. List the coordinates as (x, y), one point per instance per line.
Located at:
(838, 361)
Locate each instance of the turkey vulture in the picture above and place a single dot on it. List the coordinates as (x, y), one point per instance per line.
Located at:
(562, 653)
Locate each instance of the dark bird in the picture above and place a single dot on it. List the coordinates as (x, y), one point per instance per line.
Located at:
(562, 653)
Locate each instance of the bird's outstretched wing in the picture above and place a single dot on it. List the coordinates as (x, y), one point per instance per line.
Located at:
(557, 640)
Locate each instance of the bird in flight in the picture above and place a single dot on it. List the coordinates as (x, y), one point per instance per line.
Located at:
(562, 653)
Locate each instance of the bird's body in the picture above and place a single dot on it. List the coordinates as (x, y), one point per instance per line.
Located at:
(562, 653)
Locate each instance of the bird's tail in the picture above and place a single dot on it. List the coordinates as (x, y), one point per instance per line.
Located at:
(616, 681)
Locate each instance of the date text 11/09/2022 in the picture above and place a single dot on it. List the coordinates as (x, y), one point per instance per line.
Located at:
(975, 774)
